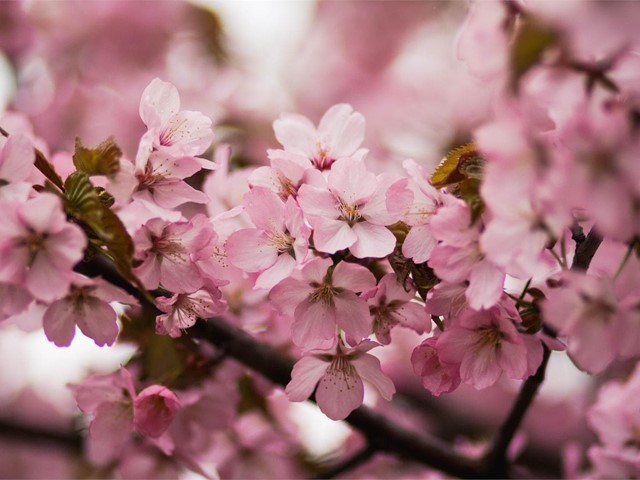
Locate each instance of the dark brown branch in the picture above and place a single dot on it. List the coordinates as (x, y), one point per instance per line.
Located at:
(585, 250)
(20, 432)
(496, 457)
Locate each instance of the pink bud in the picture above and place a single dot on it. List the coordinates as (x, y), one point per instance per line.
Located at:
(153, 410)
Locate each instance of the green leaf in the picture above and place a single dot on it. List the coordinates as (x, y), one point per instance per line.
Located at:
(101, 160)
(84, 203)
(532, 40)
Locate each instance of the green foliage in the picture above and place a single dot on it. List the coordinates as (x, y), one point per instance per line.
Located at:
(84, 204)
(101, 160)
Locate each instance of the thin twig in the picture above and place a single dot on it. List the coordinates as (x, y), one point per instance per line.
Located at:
(585, 250)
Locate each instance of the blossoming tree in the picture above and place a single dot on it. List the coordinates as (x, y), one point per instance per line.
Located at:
(321, 273)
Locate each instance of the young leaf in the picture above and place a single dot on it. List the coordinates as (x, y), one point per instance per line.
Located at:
(101, 160)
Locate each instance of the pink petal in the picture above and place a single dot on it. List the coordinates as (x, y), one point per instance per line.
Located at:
(373, 241)
(351, 181)
(340, 392)
(45, 281)
(314, 323)
(332, 235)
(160, 100)
(288, 294)
(59, 323)
(317, 202)
(485, 285)
(352, 276)
(278, 271)
(97, 320)
(353, 315)
(43, 213)
(296, 133)
(305, 375)
(251, 250)
(368, 367)
(265, 209)
(110, 431)
(17, 159)
(343, 129)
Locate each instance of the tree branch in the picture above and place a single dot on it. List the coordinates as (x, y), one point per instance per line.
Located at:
(20, 432)
(586, 248)
(495, 460)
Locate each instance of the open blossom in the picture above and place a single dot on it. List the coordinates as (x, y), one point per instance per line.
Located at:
(486, 343)
(416, 201)
(118, 411)
(166, 250)
(174, 132)
(181, 310)
(87, 306)
(350, 212)
(38, 247)
(339, 377)
(600, 318)
(277, 244)
(322, 297)
(390, 305)
(458, 256)
(339, 135)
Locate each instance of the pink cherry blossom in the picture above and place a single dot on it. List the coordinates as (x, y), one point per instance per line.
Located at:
(598, 317)
(437, 376)
(416, 200)
(182, 310)
(38, 247)
(339, 135)
(154, 409)
(87, 306)
(277, 244)
(172, 131)
(166, 250)
(339, 377)
(323, 296)
(390, 305)
(458, 256)
(16, 164)
(350, 212)
(486, 343)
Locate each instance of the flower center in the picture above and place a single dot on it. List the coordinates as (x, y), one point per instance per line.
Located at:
(350, 213)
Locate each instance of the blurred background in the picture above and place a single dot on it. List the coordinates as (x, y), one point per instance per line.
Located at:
(77, 68)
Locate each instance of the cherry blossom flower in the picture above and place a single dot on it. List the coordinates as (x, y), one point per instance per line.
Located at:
(182, 310)
(322, 297)
(600, 319)
(118, 411)
(277, 244)
(339, 135)
(416, 201)
(350, 212)
(486, 343)
(437, 376)
(166, 250)
(390, 305)
(339, 377)
(87, 306)
(38, 247)
(458, 256)
(616, 419)
(174, 132)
